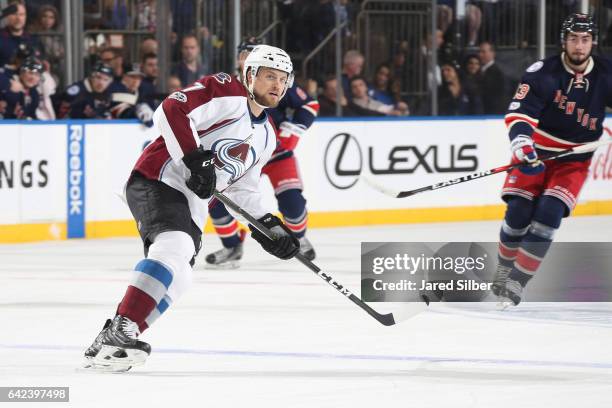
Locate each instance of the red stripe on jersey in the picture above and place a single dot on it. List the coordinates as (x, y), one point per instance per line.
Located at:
(314, 105)
(510, 119)
(544, 140)
(216, 126)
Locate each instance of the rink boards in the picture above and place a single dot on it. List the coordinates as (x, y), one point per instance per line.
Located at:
(64, 179)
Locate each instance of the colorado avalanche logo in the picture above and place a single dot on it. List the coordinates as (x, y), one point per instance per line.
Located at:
(232, 156)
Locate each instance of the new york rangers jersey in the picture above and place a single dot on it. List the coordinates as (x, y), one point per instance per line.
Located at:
(560, 108)
(295, 113)
(212, 112)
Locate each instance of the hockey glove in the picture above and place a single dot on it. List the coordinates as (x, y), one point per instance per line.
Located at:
(284, 246)
(144, 113)
(289, 135)
(523, 150)
(203, 178)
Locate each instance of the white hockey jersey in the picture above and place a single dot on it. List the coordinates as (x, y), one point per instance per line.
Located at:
(212, 112)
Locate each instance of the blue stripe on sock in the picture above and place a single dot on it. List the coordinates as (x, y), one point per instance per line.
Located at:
(155, 270)
(162, 306)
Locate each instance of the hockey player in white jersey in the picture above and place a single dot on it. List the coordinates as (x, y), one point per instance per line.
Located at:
(214, 134)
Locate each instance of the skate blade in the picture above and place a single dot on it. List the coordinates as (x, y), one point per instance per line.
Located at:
(105, 359)
(224, 265)
(504, 304)
(90, 365)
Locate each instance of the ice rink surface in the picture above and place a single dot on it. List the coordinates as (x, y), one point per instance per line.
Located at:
(272, 334)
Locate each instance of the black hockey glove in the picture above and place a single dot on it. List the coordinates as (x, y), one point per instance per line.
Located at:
(203, 178)
(285, 246)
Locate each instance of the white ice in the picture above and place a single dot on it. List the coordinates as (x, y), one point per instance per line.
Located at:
(273, 334)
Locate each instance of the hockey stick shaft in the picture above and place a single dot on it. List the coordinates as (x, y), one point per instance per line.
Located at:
(386, 319)
(589, 147)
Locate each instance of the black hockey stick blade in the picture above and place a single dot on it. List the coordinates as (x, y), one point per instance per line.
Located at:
(385, 319)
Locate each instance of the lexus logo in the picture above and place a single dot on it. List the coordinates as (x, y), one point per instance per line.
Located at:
(343, 161)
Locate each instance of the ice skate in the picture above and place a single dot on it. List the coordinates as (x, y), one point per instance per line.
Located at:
(116, 348)
(500, 279)
(225, 258)
(307, 249)
(510, 295)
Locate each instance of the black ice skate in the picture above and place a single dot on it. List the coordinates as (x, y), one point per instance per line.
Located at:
(307, 249)
(511, 294)
(117, 347)
(500, 279)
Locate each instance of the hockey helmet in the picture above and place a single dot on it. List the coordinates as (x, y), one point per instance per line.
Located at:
(268, 57)
(248, 44)
(31, 64)
(102, 68)
(579, 23)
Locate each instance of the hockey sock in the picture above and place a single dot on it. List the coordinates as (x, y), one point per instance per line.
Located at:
(514, 227)
(149, 285)
(292, 205)
(161, 307)
(546, 220)
(161, 277)
(225, 225)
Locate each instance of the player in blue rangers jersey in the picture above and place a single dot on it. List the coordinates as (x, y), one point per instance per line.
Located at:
(293, 116)
(559, 103)
(89, 98)
(19, 97)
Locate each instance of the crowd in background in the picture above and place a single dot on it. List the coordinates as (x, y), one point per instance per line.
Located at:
(122, 79)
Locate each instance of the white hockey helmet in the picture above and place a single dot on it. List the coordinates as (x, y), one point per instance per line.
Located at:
(269, 57)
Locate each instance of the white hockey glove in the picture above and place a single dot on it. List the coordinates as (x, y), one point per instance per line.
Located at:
(144, 113)
(523, 151)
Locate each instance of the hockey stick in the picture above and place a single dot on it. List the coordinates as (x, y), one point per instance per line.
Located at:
(386, 319)
(585, 148)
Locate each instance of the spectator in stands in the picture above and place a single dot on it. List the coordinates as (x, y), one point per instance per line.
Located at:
(327, 102)
(33, 8)
(148, 46)
(150, 69)
(117, 10)
(183, 16)
(14, 33)
(89, 98)
(360, 97)
(113, 57)
(18, 93)
(453, 97)
(127, 101)
(173, 83)
(473, 19)
(145, 15)
(352, 66)
(472, 77)
(382, 85)
(189, 69)
(124, 93)
(48, 23)
(493, 85)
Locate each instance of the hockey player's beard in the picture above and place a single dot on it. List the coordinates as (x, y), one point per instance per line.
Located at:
(577, 61)
(266, 100)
